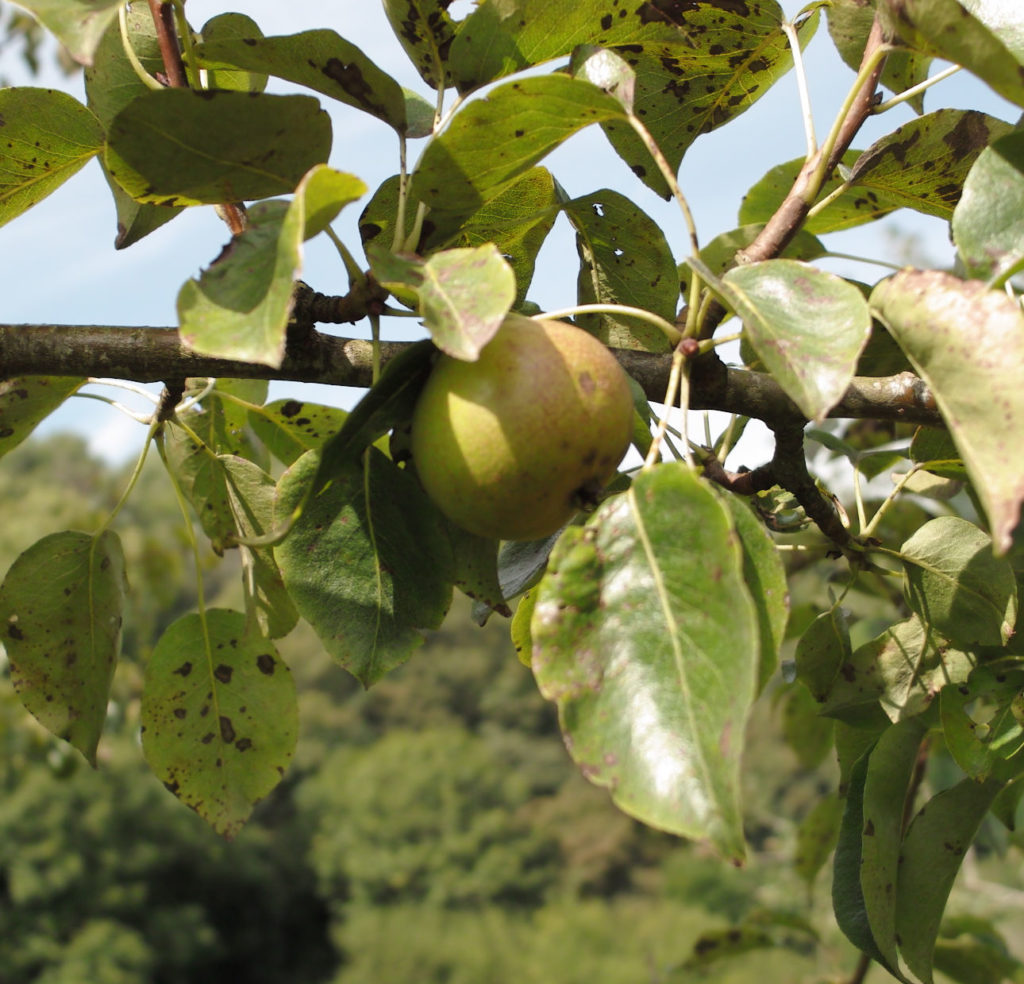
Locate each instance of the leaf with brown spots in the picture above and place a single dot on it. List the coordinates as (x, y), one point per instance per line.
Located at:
(61, 606)
(425, 31)
(290, 428)
(27, 400)
(47, 137)
(923, 164)
(220, 736)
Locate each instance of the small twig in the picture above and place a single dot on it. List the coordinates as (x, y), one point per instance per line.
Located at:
(167, 39)
(861, 971)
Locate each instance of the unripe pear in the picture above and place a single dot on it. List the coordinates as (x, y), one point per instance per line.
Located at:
(513, 445)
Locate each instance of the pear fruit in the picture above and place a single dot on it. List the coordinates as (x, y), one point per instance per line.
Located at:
(513, 445)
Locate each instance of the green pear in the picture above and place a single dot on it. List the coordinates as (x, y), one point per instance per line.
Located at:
(513, 445)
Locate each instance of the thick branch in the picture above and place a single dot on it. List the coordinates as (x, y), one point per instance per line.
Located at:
(155, 354)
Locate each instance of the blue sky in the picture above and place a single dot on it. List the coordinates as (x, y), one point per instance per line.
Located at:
(60, 265)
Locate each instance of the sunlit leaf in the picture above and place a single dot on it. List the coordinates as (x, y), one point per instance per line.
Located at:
(956, 585)
(807, 326)
(988, 223)
(967, 343)
(78, 24)
(979, 726)
(25, 401)
(219, 716)
(367, 564)
(322, 193)
(923, 164)
(645, 636)
(425, 31)
(47, 137)
(177, 147)
(229, 27)
(624, 259)
(61, 605)
(290, 428)
(948, 29)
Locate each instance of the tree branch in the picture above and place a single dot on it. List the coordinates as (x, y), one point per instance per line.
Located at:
(150, 355)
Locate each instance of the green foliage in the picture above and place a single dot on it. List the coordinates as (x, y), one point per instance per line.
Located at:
(653, 625)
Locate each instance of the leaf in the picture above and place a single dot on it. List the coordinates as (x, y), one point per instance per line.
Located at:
(222, 419)
(808, 734)
(494, 140)
(851, 208)
(765, 577)
(645, 636)
(47, 137)
(890, 770)
(822, 651)
(228, 27)
(219, 716)
(967, 343)
(61, 607)
(904, 669)
(321, 194)
(849, 24)
(988, 222)
(847, 894)
(624, 259)
(476, 569)
(110, 84)
(933, 850)
(979, 725)
(320, 60)
(200, 474)
(522, 639)
(178, 147)
(719, 255)
(924, 163)
(368, 562)
(956, 585)
(947, 29)
(77, 24)
(290, 428)
(807, 326)
(25, 401)
(425, 31)
(251, 494)
(385, 405)
(464, 297)
(816, 838)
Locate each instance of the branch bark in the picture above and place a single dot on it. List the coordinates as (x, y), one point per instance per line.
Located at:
(151, 355)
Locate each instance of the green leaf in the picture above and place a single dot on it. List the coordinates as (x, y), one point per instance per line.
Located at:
(251, 495)
(25, 401)
(494, 140)
(624, 259)
(967, 343)
(425, 31)
(645, 636)
(979, 725)
(849, 24)
(78, 24)
(956, 585)
(464, 297)
(368, 562)
(227, 28)
(323, 61)
(476, 569)
(807, 733)
(851, 208)
(904, 669)
(765, 577)
(61, 605)
(219, 716)
(847, 894)
(719, 255)
(890, 770)
(821, 652)
(222, 422)
(522, 639)
(240, 306)
(933, 850)
(111, 84)
(322, 193)
(200, 473)
(178, 147)
(924, 163)
(807, 326)
(816, 838)
(290, 428)
(47, 137)
(988, 222)
(947, 29)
